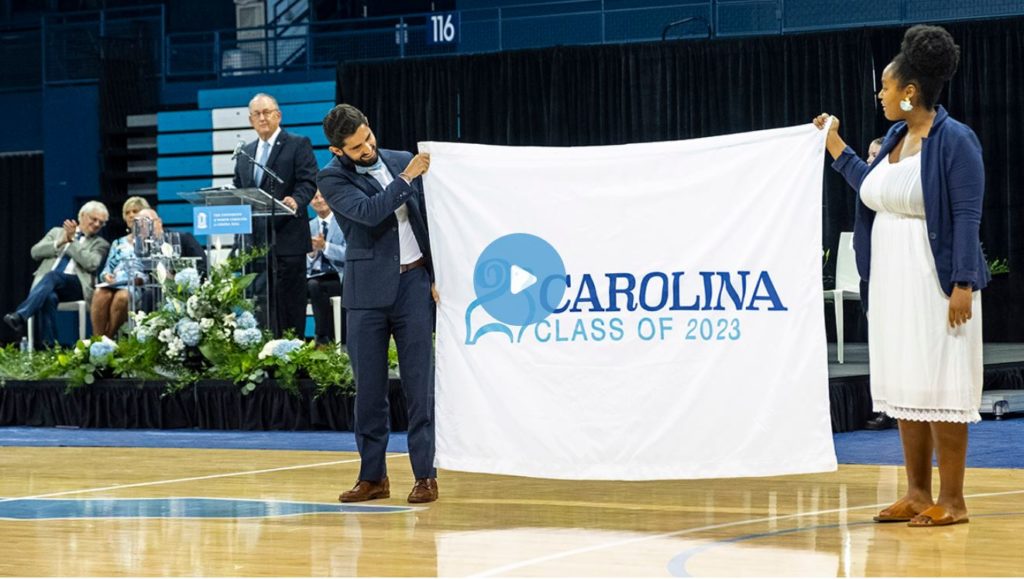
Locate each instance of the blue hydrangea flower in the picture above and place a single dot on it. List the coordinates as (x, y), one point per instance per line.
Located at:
(99, 352)
(246, 321)
(247, 338)
(187, 278)
(189, 332)
(142, 334)
(285, 347)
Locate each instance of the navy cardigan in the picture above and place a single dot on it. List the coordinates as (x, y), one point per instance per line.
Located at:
(953, 183)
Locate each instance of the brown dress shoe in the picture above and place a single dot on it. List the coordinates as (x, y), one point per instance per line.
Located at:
(424, 491)
(366, 490)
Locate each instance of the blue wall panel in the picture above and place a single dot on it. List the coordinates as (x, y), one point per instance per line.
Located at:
(191, 166)
(306, 114)
(176, 213)
(176, 143)
(23, 125)
(314, 132)
(184, 121)
(323, 156)
(284, 93)
(168, 190)
(71, 144)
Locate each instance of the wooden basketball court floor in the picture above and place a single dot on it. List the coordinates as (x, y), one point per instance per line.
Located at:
(148, 512)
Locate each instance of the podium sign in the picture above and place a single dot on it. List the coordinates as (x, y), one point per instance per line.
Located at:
(262, 203)
(222, 219)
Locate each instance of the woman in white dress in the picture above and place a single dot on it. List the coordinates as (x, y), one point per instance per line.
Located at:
(917, 244)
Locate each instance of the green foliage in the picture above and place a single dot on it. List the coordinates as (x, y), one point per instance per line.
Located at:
(18, 365)
(135, 359)
(327, 367)
(999, 266)
(241, 366)
(393, 355)
(204, 330)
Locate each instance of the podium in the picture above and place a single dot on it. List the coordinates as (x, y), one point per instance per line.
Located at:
(265, 209)
(263, 204)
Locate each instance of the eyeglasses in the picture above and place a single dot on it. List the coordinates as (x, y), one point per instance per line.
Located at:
(266, 114)
(97, 220)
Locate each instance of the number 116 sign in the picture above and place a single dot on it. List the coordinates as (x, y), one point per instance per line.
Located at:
(443, 28)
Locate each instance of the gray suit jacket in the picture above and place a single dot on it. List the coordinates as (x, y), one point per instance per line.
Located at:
(88, 256)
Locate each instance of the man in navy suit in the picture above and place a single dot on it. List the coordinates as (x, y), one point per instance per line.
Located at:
(291, 158)
(325, 268)
(377, 196)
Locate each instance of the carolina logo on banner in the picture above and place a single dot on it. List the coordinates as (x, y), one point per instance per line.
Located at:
(647, 311)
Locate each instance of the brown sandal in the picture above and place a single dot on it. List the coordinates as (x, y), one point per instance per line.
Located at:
(898, 512)
(936, 516)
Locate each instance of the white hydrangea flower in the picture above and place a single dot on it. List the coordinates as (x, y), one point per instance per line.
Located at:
(192, 306)
(175, 347)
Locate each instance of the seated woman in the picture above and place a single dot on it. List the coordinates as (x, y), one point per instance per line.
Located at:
(110, 300)
(126, 271)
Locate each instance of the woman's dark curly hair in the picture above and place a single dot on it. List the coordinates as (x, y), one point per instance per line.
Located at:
(928, 59)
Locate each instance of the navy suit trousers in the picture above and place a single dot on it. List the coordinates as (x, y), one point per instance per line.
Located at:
(55, 287)
(411, 320)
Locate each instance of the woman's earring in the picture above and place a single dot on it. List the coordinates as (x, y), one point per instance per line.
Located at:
(905, 105)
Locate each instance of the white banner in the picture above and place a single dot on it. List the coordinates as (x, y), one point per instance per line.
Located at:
(647, 311)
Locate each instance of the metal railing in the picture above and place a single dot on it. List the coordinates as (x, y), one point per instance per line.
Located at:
(72, 43)
(68, 47)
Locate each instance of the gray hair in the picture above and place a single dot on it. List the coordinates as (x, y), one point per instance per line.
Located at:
(263, 95)
(93, 207)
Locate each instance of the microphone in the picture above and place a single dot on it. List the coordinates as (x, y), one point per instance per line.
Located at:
(238, 150)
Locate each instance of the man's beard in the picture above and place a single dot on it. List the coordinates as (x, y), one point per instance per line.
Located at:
(369, 163)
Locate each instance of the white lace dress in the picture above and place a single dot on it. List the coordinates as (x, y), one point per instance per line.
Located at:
(921, 368)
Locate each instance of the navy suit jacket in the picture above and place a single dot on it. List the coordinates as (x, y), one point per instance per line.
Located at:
(953, 183)
(293, 160)
(366, 213)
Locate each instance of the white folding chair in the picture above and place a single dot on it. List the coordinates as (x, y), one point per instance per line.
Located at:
(79, 305)
(336, 310)
(847, 284)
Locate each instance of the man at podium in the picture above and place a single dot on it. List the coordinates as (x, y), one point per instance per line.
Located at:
(291, 158)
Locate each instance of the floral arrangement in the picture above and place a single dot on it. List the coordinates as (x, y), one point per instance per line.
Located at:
(204, 329)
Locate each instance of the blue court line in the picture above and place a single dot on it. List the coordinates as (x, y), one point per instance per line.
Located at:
(176, 508)
(187, 438)
(992, 444)
(677, 565)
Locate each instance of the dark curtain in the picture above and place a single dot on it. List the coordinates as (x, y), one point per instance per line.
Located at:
(615, 94)
(21, 211)
(429, 97)
(127, 86)
(209, 405)
(988, 94)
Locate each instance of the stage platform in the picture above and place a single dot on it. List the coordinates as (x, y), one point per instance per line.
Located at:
(850, 385)
(222, 406)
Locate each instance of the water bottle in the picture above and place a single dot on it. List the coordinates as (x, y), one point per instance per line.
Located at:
(24, 344)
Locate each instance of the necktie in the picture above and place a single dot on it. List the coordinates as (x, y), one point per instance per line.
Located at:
(65, 259)
(257, 173)
(325, 264)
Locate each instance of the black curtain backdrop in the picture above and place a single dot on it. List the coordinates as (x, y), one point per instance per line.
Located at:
(21, 210)
(616, 94)
(127, 86)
